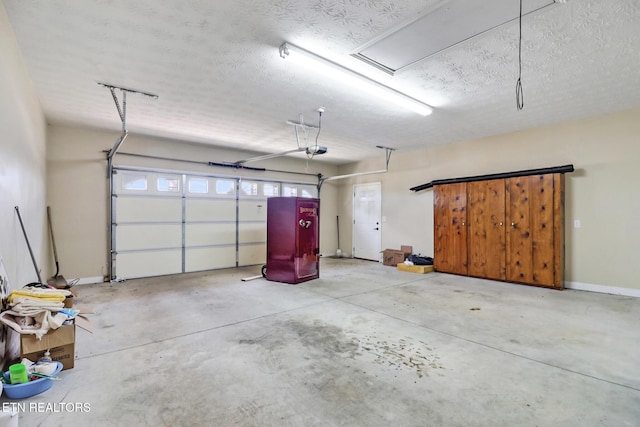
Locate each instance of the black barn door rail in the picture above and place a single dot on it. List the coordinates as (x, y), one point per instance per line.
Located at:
(542, 171)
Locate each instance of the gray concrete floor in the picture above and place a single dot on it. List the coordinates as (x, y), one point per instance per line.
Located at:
(364, 345)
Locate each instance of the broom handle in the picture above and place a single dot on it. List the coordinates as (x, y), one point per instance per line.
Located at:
(35, 265)
(53, 241)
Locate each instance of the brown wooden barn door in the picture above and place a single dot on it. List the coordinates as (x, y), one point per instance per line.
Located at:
(486, 213)
(450, 228)
(519, 239)
(531, 231)
(542, 229)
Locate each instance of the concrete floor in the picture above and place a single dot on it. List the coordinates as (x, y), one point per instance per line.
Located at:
(364, 345)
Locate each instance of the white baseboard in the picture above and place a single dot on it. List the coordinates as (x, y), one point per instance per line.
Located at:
(603, 289)
(88, 280)
(333, 254)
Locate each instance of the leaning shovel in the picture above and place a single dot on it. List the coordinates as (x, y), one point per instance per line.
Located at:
(57, 280)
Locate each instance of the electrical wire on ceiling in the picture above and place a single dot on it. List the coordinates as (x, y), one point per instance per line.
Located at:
(519, 90)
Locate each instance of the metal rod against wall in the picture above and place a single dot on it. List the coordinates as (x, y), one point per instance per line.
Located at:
(33, 258)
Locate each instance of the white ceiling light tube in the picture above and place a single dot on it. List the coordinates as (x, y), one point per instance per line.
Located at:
(331, 69)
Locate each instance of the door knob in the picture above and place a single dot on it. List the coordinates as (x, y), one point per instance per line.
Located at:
(500, 223)
(377, 228)
(513, 224)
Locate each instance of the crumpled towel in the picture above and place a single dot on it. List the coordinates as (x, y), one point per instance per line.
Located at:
(40, 324)
(31, 307)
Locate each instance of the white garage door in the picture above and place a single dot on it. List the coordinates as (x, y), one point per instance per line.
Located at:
(168, 223)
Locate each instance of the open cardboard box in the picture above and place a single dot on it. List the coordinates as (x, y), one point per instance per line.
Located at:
(393, 257)
(60, 343)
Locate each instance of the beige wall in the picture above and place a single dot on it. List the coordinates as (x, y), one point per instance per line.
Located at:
(22, 163)
(78, 187)
(603, 192)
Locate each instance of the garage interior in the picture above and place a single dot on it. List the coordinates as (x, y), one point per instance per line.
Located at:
(156, 132)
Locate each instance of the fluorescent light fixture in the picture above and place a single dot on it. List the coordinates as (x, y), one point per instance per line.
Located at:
(338, 72)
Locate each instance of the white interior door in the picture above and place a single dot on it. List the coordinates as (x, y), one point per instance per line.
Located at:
(367, 215)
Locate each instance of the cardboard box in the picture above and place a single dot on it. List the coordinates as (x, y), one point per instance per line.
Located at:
(394, 257)
(60, 342)
(68, 302)
(420, 269)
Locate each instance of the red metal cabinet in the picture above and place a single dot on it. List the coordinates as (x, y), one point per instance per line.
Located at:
(293, 239)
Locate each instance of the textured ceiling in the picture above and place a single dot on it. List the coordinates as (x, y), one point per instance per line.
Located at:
(220, 80)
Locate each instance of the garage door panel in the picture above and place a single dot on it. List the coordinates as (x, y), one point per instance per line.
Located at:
(199, 259)
(252, 254)
(250, 232)
(169, 223)
(148, 209)
(210, 209)
(210, 234)
(149, 264)
(252, 210)
(148, 236)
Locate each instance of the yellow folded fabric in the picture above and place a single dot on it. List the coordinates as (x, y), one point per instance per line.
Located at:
(39, 296)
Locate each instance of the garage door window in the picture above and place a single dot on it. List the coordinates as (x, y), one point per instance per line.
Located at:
(225, 187)
(289, 191)
(249, 188)
(308, 192)
(168, 184)
(270, 190)
(134, 182)
(198, 185)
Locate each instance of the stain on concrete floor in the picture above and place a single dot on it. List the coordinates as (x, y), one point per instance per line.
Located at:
(317, 337)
